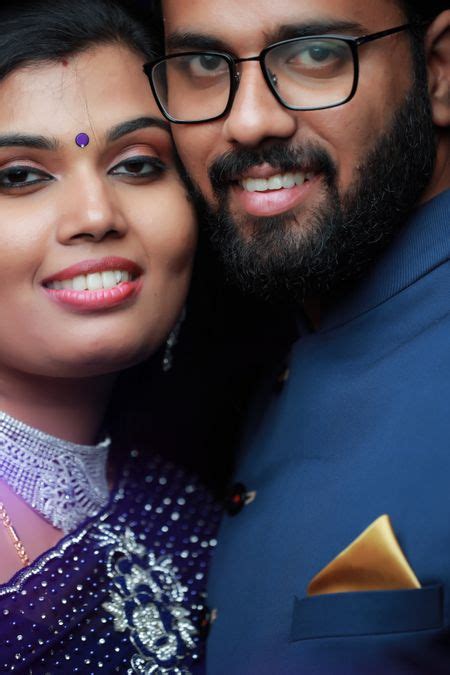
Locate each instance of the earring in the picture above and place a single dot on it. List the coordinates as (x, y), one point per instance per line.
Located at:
(172, 340)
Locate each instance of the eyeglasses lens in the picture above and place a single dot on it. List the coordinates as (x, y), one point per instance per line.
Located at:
(311, 73)
(308, 73)
(193, 87)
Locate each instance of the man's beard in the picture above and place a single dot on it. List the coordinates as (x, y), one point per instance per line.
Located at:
(280, 259)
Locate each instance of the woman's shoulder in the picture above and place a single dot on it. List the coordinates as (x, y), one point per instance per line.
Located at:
(128, 588)
(155, 479)
(166, 504)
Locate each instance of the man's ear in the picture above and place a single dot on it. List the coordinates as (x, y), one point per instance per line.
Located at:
(437, 45)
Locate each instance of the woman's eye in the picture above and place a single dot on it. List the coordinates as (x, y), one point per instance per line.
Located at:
(138, 167)
(22, 177)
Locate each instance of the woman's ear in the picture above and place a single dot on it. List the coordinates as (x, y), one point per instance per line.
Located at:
(437, 46)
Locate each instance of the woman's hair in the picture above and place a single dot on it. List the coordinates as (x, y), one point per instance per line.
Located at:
(48, 30)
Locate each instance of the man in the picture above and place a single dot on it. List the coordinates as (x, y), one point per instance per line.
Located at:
(317, 136)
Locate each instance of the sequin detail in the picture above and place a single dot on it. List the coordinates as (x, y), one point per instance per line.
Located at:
(147, 602)
(123, 594)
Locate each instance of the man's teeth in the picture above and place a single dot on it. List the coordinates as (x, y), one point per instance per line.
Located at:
(92, 282)
(276, 182)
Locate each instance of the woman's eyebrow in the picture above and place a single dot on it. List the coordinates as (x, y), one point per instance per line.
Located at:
(46, 143)
(28, 141)
(129, 126)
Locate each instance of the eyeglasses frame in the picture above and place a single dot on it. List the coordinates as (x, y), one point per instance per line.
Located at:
(353, 42)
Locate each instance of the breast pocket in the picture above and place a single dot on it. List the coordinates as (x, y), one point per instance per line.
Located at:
(367, 613)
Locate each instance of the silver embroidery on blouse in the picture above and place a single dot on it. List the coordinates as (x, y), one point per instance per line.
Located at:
(147, 602)
(65, 482)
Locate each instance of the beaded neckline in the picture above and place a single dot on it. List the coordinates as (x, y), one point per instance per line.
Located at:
(64, 482)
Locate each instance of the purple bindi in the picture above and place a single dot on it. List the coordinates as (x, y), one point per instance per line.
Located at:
(82, 140)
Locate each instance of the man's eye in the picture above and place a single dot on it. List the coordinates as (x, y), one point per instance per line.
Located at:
(207, 64)
(22, 177)
(138, 167)
(319, 54)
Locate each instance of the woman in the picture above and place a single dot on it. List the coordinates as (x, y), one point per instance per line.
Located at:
(102, 563)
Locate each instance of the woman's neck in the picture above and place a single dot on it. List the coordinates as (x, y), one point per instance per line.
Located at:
(69, 409)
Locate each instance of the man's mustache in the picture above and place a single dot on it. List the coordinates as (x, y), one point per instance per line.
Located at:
(231, 166)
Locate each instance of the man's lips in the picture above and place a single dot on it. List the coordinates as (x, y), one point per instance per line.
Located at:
(276, 181)
(266, 170)
(264, 194)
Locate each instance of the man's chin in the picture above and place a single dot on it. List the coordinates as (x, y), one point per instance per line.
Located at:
(269, 236)
(266, 257)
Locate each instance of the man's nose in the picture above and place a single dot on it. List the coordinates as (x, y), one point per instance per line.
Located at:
(256, 115)
(90, 211)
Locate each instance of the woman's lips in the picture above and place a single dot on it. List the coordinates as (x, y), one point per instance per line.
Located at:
(90, 301)
(93, 285)
(92, 266)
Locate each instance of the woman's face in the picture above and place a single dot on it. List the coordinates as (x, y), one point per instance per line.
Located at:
(96, 243)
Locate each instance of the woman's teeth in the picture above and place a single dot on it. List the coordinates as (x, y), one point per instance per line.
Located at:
(92, 282)
(276, 182)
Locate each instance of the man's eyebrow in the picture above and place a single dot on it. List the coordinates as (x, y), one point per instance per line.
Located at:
(323, 27)
(187, 40)
(28, 141)
(129, 126)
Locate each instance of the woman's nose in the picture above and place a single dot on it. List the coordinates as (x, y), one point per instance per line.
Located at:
(90, 211)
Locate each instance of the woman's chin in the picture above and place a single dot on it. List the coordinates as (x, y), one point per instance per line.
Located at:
(98, 362)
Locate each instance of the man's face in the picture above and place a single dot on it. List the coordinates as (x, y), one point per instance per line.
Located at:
(338, 149)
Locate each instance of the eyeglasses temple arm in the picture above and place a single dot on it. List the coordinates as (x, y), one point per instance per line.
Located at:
(384, 33)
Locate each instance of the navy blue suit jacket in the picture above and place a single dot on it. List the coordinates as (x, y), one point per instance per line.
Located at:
(361, 428)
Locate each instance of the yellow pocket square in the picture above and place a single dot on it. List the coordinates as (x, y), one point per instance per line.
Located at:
(374, 561)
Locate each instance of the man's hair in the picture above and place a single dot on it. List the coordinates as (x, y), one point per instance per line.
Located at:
(416, 10)
(423, 10)
(48, 30)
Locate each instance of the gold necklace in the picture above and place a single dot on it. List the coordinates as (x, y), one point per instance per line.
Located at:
(20, 548)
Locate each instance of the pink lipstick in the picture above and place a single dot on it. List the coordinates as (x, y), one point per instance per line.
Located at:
(95, 285)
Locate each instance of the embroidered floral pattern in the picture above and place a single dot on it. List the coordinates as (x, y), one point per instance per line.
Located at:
(148, 602)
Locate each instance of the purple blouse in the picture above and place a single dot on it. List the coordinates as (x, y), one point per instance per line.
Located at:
(123, 593)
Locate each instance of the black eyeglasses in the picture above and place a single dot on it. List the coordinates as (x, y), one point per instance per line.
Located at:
(305, 73)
